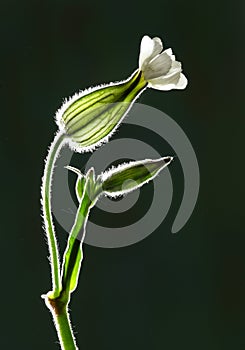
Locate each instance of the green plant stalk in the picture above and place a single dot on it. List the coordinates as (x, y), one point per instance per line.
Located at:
(57, 301)
(47, 215)
(66, 337)
(59, 306)
(59, 310)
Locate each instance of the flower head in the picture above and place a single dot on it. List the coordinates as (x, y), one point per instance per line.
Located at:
(90, 117)
(159, 67)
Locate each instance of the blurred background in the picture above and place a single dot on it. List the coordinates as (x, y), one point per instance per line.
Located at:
(168, 291)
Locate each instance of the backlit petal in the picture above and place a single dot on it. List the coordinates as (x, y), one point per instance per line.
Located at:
(149, 49)
(170, 53)
(165, 82)
(158, 46)
(146, 49)
(182, 82)
(158, 66)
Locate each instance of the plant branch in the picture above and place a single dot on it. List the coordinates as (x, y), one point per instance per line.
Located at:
(47, 215)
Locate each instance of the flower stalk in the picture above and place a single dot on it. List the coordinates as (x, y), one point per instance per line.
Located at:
(58, 299)
(47, 215)
(61, 317)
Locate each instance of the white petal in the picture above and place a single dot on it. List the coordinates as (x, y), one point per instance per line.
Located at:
(158, 66)
(170, 53)
(176, 65)
(158, 46)
(161, 87)
(146, 49)
(167, 82)
(175, 68)
(149, 48)
(182, 82)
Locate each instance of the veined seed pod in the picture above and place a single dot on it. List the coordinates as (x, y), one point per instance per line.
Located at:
(89, 118)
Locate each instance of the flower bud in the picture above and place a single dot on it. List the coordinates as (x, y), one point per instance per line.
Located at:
(119, 180)
(130, 176)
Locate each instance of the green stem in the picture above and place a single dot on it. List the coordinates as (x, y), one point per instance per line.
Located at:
(65, 333)
(54, 300)
(72, 263)
(62, 323)
(57, 301)
(46, 203)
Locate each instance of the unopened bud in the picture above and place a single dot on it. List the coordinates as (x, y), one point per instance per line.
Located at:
(130, 176)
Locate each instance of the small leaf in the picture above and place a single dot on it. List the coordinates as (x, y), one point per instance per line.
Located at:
(87, 191)
(80, 187)
(73, 263)
(76, 270)
(130, 176)
(75, 170)
(72, 258)
(80, 181)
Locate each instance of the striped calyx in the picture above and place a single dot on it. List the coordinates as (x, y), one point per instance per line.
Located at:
(91, 117)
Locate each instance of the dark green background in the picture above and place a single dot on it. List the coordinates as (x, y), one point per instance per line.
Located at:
(166, 292)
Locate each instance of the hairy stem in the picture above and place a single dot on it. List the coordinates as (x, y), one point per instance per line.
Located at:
(62, 323)
(63, 284)
(47, 215)
(66, 337)
(72, 263)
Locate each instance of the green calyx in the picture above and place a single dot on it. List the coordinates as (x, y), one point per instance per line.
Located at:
(91, 118)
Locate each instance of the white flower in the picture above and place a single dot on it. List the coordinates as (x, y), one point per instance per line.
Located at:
(160, 69)
(90, 117)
